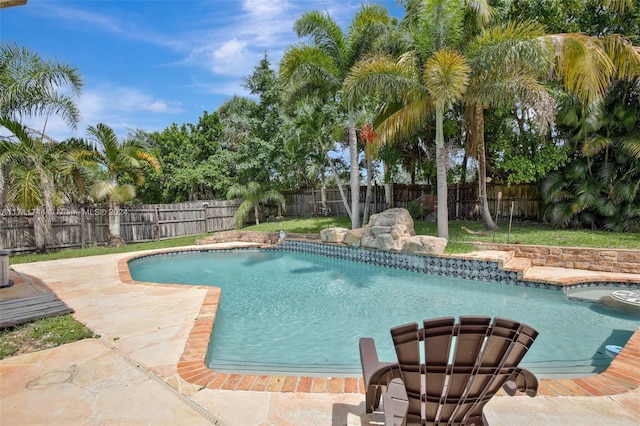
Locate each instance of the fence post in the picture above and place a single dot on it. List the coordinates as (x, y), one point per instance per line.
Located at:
(4, 269)
(83, 237)
(205, 206)
(157, 223)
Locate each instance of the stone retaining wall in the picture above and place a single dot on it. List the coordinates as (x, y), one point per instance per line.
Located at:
(593, 259)
(252, 237)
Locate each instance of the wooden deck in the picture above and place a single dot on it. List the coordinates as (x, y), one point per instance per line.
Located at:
(24, 309)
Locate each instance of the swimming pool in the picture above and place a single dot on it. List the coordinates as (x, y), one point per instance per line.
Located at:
(291, 312)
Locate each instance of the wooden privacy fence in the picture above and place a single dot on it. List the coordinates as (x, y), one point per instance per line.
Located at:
(462, 200)
(83, 226)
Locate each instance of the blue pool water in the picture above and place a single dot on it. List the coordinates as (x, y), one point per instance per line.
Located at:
(288, 312)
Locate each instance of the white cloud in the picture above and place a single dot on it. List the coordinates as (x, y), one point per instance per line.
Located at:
(121, 108)
(231, 57)
(265, 9)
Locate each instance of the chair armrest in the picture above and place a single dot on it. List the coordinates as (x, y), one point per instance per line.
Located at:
(375, 372)
(521, 380)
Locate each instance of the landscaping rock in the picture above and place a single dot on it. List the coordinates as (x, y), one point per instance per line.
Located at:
(388, 230)
(424, 244)
(353, 237)
(333, 235)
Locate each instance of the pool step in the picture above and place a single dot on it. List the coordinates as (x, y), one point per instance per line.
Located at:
(518, 264)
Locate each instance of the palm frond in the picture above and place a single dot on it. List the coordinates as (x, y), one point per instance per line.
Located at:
(404, 122)
(440, 25)
(122, 193)
(619, 5)
(582, 65)
(304, 61)
(237, 191)
(595, 144)
(32, 85)
(446, 76)
(381, 76)
(25, 189)
(631, 145)
(244, 210)
(325, 33)
(274, 196)
(370, 22)
(624, 56)
(482, 9)
(102, 189)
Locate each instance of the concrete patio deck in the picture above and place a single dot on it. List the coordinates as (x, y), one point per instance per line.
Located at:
(130, 374)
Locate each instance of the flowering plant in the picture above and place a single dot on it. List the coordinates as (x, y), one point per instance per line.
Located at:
(367, 134)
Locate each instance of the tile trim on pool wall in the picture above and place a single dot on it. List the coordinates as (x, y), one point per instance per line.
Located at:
(622, 375)
(456, 267)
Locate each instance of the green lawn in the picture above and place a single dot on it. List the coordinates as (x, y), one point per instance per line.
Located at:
(521, 233)
(459, 239)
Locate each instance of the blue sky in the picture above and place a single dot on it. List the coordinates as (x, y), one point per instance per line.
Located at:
(147, 64)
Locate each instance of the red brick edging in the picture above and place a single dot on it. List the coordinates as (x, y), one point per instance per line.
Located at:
(622, 375)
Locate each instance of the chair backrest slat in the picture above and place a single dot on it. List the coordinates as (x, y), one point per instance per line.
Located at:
(464, 365)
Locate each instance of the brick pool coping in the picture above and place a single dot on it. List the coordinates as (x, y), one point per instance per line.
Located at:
(622, 375)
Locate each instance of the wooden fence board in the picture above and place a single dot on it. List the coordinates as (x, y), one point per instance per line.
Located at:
(80, 226)
(462, 200)
(83, 227)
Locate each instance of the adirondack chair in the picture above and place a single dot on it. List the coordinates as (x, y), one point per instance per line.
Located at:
(464, 365)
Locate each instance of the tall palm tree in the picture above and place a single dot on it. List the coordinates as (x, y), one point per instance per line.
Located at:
(320, 67)
(426, 79)
(121, 161)
(31, 182)
(33, 87)
(507, 66)
(508, 63)
(252, 195)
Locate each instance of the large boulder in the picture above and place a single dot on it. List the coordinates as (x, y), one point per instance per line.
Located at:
(353, 237)
(333, 235)
(424, 244)
(388, 230)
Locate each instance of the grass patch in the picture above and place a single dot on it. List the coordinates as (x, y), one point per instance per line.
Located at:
(460, 241)
(42, 334)
(95, 251)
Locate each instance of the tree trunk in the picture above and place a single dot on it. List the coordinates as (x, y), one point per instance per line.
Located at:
(441, 174)
(343, 196)
(355, 173)
(482, 172)
(367, 199)
(45, 239)
(3, 185)
(388, 192)
(256, 213)
(115, 240)
(323, 192)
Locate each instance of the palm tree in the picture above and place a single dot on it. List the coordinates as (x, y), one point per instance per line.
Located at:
(319, 69)
(426, 79)
(507, 64)
(120, 160)
(31, 182)
(33, 87)
(252, 195)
